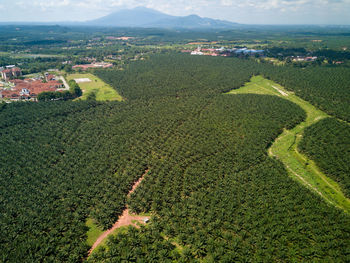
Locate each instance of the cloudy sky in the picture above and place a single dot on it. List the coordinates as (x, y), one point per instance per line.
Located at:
(241, 11)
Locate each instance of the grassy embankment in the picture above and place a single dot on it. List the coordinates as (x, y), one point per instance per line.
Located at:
(285, 147)
(102, 90)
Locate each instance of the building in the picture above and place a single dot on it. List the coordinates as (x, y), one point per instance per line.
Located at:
(209, 49)
(9, 73)
(119, 38)
(300, 59)
(93, 65)
(6, 74)
(197, 51)
(29, 89)
(50, 77)
(24, 92)
(16, 72)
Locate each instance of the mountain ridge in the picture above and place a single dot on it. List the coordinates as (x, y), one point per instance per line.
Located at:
(148, 18)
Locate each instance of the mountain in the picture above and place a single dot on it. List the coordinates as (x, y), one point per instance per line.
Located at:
(145, 17)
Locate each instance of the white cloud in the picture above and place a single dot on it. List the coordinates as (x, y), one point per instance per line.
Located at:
(244, 11)
(226, 2)
(52, 3)
(285, 5)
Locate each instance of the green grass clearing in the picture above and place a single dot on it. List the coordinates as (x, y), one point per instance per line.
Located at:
(29, 55)
(94, 231)
(102, 90)
(259, 85)
(299, 166)
(275, 61)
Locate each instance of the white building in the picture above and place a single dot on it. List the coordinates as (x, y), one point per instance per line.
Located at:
(197, 51)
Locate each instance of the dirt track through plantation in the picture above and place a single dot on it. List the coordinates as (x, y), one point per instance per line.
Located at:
(125, 219)
(280, 91)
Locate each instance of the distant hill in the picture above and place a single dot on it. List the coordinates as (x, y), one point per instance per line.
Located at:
(145, 17)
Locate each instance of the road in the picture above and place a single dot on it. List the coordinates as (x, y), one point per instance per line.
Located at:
(66, 86)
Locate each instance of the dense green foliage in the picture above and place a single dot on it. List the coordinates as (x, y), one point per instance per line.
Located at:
(58, 167)
(214, 192)
(55, 95)
(328, 144)
(74, 88)
(326, 88)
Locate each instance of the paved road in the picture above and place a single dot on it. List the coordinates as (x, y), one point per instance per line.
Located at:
(66, 86)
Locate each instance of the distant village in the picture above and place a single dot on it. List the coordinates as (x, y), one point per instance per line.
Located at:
(246, 52)
(14, 87)
(224, 52)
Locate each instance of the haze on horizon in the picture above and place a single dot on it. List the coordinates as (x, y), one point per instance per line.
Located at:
(240, 11)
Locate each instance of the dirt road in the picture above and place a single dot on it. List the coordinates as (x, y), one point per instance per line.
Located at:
(280, 91)
(126, 218)
(66, 86)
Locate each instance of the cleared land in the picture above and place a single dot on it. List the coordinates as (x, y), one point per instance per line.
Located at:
(285, 149)
(102, 90)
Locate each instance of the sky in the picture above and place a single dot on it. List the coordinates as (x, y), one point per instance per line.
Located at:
(240, 11)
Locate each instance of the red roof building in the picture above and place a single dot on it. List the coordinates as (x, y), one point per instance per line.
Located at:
(25, 89)
(50, 77)
(9, 73)
(6, 74)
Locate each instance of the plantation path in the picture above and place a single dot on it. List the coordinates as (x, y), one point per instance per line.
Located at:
(125, 219)
(285, 147)
(280, 91)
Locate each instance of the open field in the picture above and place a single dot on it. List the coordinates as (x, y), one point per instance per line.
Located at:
(102, 90)
(258, 85)
(285, 146)
(28, 55)
(276, 62)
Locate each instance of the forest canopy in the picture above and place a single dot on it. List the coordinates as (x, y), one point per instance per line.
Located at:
(214, 193)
